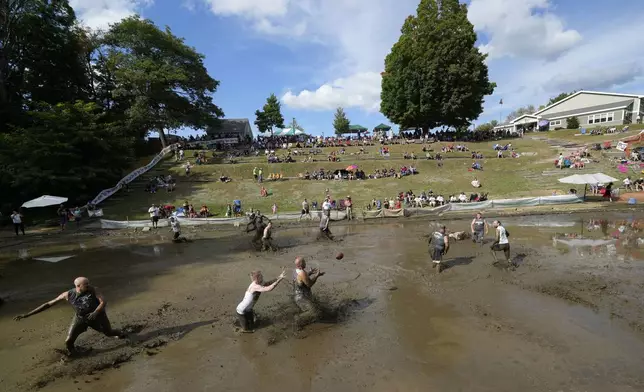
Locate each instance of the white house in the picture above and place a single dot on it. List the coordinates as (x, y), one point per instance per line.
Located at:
(591, 108)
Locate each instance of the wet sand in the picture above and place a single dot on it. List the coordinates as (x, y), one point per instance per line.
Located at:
(568, 318)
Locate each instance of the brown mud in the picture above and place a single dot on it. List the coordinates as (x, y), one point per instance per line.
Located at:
(567, 318)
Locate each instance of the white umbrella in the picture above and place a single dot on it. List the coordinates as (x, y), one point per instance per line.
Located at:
(298, 132)
(44, 201)
(585, 179)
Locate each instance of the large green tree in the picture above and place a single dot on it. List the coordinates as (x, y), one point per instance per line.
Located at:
(270, 117)
(435, 75)
(41, 57)
(340, 122)
(162, 81)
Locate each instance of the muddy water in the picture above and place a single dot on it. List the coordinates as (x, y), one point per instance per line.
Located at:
(569, 318)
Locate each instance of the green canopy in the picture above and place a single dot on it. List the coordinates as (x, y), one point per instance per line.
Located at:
(357, 128)
(382, 127)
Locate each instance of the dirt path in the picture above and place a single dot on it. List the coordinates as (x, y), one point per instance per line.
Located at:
(563, 320)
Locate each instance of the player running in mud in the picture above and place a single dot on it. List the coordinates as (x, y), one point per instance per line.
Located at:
(245, 312)
(303, 281)
(480, 228)
(267, 238)
(439, 242)
(257, 225)
(501, 243)
(324, 227)
(89, 306)
(176, 229)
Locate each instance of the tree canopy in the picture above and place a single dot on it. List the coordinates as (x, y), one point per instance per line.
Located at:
(270, 117)
(529, 109)
(435, 75)
(340, 122)
(559, 97)
(76, 105)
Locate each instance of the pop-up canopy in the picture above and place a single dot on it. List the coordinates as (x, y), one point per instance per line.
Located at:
(44, 201)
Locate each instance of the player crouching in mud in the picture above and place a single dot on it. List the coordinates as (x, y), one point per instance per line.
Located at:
(89, 306)
(176, 229)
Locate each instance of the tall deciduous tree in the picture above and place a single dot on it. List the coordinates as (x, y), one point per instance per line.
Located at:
(270, 117)
(435, 75)
(341, 122)
(162, 80)
(529, 109)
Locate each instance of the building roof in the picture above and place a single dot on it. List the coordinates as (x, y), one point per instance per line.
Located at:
(524, 115)
(587, 92)
(590, 109)
(231, 125)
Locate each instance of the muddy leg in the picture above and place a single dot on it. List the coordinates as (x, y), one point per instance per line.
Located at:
(77, 327)
(310, 313)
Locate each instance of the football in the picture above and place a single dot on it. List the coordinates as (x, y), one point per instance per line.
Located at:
(339, 256)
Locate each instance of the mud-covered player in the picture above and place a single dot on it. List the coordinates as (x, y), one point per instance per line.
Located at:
(89, 305)
(439, 245)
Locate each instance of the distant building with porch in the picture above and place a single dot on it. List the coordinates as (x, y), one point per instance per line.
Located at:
(592, 109)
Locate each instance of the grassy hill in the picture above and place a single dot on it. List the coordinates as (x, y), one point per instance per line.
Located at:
(533, 174)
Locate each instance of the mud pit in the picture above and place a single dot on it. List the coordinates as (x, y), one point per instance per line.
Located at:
(569, 318)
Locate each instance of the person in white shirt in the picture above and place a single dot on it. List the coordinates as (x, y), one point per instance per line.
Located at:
(181, 154)
(244, 310)
(462, 198)
(476, 183)
(627, 183)
(176, 229)
(501, 243)
(453, 199)
(326, 207)
(154, 215)
(432, 201)
(18, 225)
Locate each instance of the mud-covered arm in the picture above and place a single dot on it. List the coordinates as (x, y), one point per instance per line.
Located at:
(45, 306)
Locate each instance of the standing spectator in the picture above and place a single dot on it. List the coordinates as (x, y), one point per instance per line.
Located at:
(154, 215)
(349, 206)
(77, 215)
(62, 215)
(275, 209)
(260, 175)
(18, 225)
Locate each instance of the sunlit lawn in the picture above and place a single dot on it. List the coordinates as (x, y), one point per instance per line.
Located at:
(501, 178)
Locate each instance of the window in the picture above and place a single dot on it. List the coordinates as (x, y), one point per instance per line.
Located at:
(555, 123)
(601, 118)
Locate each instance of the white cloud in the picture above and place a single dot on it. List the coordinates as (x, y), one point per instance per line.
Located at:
(359, 90)
(595, 78)
(522, 28)
(249, 8)
(99, 14)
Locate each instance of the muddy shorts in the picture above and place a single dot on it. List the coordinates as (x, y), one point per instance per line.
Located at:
(437, 253)
(80, 324)
(502, 247)
(176, 235)
(477, 236)
(310, 311)
(247, 320)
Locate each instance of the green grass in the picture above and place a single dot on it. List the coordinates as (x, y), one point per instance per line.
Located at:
(501, 178)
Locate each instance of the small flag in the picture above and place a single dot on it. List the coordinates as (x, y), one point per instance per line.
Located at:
(501, 102)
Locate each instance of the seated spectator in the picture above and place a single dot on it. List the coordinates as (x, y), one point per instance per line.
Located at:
(263, 192)
(452, 199)
(204, 212)
(476, 183)
(440, 200)
(627, 183)
(432, 201)
(462, 198)
(224, 179)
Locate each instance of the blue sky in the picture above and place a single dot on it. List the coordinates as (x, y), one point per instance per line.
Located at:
(317, 55)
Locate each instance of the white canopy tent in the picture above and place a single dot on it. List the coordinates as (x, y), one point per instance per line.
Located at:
(44, 201)
(587, 179)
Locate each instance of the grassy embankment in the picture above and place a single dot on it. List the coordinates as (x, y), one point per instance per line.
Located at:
(529, 175)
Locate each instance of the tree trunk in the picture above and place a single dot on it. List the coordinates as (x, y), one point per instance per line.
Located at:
(3, 85)
(425, 130)
(164, 143)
